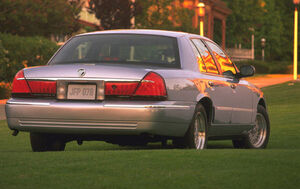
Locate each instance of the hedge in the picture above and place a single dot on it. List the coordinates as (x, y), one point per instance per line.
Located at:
(4, 87)
(18, 52)
(269, 67)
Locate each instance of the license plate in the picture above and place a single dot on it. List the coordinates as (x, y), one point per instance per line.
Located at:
(81, 92)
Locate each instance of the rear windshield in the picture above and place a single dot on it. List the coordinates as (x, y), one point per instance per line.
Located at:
(120, 49)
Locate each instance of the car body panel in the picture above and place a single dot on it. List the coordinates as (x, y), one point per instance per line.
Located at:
(166, 118)
(91, 71)
(186, 87)
(243, 99)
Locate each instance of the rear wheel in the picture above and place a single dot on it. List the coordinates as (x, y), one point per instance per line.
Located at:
(196, 136)
(41, 142)
(258, 136)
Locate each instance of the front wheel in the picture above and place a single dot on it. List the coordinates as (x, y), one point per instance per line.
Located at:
(258, 136)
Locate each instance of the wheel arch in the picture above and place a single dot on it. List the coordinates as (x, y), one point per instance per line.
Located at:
(262, 102)
(206, 102)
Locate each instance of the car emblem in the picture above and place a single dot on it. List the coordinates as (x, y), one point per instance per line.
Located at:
(81, 72)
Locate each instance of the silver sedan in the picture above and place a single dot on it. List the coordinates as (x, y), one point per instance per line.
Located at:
(132, 87)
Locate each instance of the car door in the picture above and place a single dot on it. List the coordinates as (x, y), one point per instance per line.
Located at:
(242, 103)
(218, 89)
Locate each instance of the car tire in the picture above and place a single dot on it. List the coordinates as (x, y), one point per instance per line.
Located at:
(133, 144)
(239, 143)
(258, 136)
(196, 136)
(41, 142)
(178, 143)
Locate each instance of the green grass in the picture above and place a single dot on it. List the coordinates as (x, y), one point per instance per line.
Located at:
(101, 165)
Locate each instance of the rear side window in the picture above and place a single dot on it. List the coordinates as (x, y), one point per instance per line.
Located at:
(121, 49)
(206, 56)
(221, 57)
(200, 62)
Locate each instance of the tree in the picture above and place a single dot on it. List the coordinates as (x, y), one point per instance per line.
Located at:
(113, 14)
(271, 19)
(39, 17)
(165, 14)
(285, 9)
(245, 15)
(272, 30)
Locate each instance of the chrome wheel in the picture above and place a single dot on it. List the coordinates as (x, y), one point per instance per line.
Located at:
(257, 135)
(199, 131)
(196, 135)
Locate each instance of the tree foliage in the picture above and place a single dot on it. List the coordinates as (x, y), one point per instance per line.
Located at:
(245, 15)
(151, 14)
(39, 17)
(270, 19)
(18, 52)
(114, 14)
(285, 10)
(165, 14)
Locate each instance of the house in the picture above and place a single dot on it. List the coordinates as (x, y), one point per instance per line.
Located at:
(215, 10)
(87, 18)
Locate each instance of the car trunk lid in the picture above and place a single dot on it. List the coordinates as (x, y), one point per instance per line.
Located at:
(80, 71)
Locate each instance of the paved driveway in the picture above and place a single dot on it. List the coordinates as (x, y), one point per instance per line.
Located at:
(2, 112)
(271, 79)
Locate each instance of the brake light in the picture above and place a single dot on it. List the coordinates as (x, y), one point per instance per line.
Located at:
(152, 85)
(20, 84)
(22, 87)
(42, 87)
(125, 89)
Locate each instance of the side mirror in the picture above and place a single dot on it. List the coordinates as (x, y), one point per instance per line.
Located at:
(246, 71)
(228, 73)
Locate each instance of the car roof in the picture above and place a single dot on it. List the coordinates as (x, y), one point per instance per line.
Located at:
(145, 31)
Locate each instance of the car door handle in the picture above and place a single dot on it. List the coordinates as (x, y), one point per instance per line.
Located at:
(210, 83)
(233, 86)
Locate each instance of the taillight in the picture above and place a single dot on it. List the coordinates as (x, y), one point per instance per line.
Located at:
(42, 87)
(23, 88)
(152, 85)
(20, 84)
(122, 89)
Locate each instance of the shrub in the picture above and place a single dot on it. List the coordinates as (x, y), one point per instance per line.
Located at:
(260, 67)
(4, 62)
(269, 67)
(5, 89)
(19, 52)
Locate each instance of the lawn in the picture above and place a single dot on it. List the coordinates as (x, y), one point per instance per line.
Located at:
(101, 165)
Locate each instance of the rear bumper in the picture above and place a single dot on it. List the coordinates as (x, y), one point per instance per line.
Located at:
(167, 118)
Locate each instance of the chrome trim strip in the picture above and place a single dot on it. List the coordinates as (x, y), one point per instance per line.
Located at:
(21, 78)
(234, 109)
(111, 105)
(224, 108)
(45, 122)
(147, 106)
(30, 103)
(81, 127)
(80, 79)
(243, 109)
(147, 81)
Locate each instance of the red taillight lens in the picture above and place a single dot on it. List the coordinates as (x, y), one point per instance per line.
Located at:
(20, 84)
(152, 85)
(122, 89)
(22, 87)
(42, 87)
